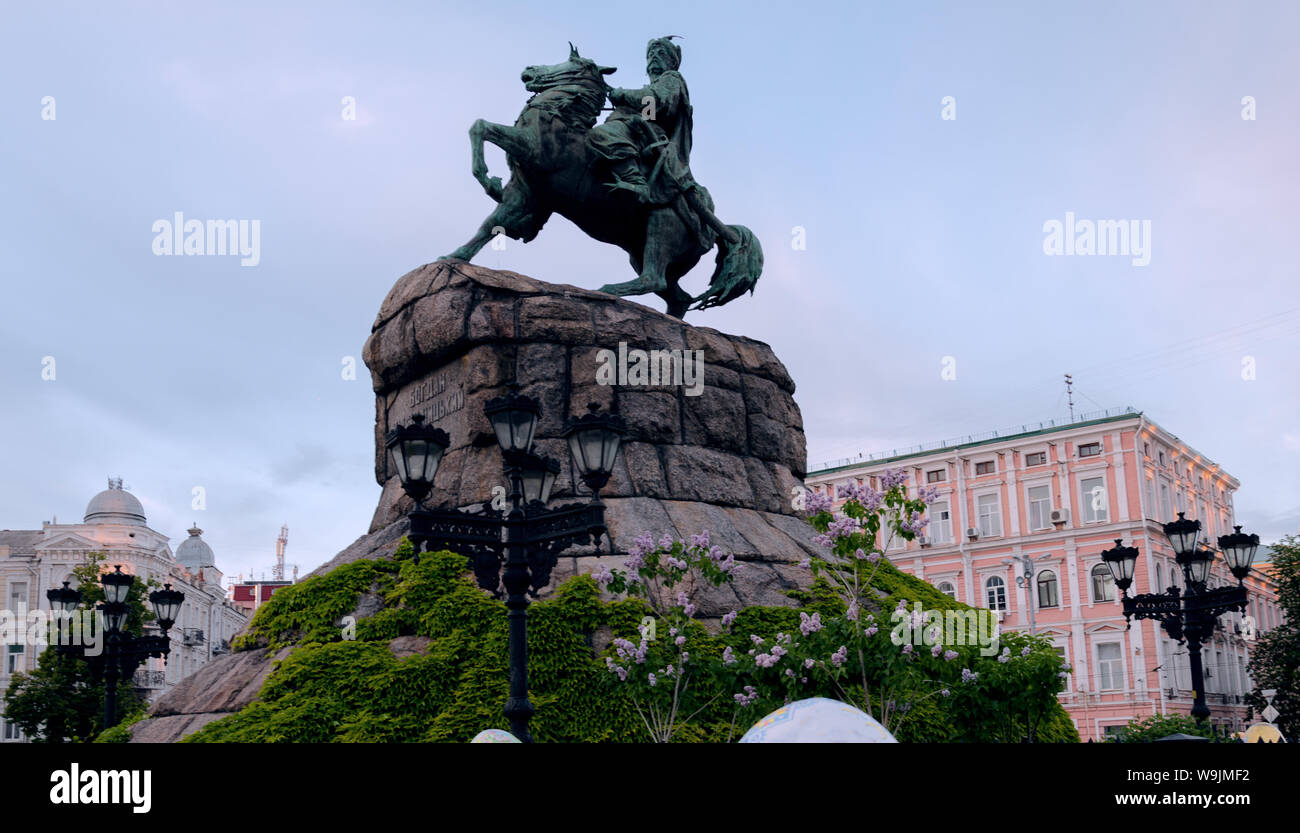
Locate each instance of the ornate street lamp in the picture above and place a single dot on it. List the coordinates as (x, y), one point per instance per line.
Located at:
(514, 419)
(1121, 560)
(1188, 616)
(1239, 551)
(166, 606)
(1182, 535)
(1196, 565)
(123, 653)
(527, 537)
(417, 450)
(594, 440)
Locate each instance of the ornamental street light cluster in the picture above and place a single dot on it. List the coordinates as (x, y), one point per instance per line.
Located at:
(1188, 616)
(123, 652)
(526, 537)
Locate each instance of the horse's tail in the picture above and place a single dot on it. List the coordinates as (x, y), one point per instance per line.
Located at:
(739, 265)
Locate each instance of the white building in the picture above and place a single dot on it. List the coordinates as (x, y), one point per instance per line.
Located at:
(34, 561)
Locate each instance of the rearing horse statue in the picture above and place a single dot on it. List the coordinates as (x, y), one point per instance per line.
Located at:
(553, 168)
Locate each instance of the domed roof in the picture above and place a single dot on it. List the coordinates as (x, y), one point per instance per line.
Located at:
(194, 552)
(114, 505)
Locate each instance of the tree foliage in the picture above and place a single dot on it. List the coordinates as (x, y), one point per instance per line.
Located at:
(1275, 658)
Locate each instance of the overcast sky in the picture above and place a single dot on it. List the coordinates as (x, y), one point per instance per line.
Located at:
(924, 236)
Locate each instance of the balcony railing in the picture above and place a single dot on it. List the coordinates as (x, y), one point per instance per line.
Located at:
(149, 679)
(191, 636)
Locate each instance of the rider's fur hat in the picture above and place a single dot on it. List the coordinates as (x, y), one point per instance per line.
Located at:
(671, 51)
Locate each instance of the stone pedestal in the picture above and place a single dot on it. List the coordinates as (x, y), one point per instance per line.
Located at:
(726, 455)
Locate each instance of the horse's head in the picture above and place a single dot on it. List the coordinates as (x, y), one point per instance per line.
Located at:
(576, 70)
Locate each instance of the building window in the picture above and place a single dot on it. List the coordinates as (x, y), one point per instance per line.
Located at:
(936, 476)
(1090, 449)
(1146, 449)
(986, 467)
(1103, 584)
(1162, 458)
(1110, 666)
(12, 732)
(1113, 732)
(990, 515)
(1040, 507)
(995, 592)
(1093, 493)
(1165, 515)
(14, 658)
(17, 596)
(946, 588)
(1047, 589)
(1036, 458)
(940, 522)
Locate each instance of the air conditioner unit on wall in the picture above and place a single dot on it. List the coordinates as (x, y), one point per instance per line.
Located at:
(972, 533)
(923, 540)
(1060, 516)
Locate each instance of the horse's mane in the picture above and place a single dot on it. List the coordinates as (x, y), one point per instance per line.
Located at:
(577, 103)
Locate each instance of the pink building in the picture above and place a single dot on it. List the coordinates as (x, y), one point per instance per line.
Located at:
(1061, 493)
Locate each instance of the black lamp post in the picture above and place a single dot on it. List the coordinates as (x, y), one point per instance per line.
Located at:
(1188, 616)
(123, 652)
(527, 537)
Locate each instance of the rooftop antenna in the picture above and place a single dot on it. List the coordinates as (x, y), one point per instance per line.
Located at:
(280, 544)
(1069, 392)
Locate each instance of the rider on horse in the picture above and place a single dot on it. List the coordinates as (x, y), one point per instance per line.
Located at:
(654, 118)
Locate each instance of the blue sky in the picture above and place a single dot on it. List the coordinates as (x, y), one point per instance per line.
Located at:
(924, 235)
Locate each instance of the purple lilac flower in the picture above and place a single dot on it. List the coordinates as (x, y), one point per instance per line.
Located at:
(729, 618)
(679, 641)
(666, 542)
(765, 660)
(809, 624)
(689, 610)
(1025, 651)
(945, 692)
(852, 613)
(728, 657)
(653, 680)
(949, 656)
(747, 697)
(815, 502)
(907, 648)
(872, 631)
(602, 576)
(873, 557)
(757, 640)
(840, 657)
(843, 527)
(701, 541)
(969, 676)
(809, 663)
(1062, 674)
(892, 477)
(789, 672)
(936, 650)
(778, 651)
(1005, 656)
(673, 561)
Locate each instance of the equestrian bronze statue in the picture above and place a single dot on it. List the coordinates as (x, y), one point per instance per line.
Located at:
(627, 181)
